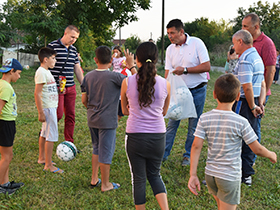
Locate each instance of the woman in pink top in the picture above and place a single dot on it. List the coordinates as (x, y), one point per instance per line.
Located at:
(145, 99)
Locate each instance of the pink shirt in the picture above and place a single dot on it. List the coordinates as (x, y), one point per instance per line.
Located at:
(267, 51)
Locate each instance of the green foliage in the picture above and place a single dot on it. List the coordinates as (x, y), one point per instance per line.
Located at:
(269, 17)
(211, 33)
(132, 43)
(166, 42)
(45, 20)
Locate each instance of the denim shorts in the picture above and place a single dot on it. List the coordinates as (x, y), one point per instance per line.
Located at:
(103, 143)
(226, 191)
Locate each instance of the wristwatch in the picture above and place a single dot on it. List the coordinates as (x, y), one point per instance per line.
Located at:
(185, 70)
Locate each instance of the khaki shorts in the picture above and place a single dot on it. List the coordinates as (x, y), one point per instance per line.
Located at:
(226, 191)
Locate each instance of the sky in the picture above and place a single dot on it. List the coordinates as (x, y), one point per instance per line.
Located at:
(149, 23)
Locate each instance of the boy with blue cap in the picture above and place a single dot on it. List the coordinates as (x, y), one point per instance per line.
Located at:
(11, 70)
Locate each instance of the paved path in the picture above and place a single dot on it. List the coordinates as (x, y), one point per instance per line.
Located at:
(222, 69)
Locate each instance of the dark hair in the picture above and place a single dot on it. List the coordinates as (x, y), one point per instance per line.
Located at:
(45, 52)
(178, 24)
(72, 28)
(119, 49)
(227, 87)
(103, 54)
(147, 55)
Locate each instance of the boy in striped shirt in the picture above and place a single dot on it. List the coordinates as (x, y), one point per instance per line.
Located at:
(224, 131)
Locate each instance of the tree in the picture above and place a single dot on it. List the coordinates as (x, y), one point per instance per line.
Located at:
(45, 20)
(210, 32)
(132, 43)
(269, 16)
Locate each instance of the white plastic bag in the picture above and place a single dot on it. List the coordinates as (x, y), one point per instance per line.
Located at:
(181, 101)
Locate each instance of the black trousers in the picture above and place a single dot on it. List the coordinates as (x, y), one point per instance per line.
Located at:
(145, 152)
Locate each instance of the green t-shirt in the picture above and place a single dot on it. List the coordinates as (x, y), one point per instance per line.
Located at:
(7, 93)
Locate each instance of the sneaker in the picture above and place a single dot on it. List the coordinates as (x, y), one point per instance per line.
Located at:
(14, 185)
(7, 191)
(204, 183)
(186, 161)
(247, 180)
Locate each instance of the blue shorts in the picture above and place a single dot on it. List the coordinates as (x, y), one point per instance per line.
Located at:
(103, 143)
(7, 133)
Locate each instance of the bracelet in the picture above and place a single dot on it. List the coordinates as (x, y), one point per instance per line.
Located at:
(132, 68)
(254, 107)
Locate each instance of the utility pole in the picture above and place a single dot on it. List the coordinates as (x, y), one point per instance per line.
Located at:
(162, 34)
(120, 38)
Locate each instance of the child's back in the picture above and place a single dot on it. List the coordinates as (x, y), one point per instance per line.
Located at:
(224, 131)
(103, 90)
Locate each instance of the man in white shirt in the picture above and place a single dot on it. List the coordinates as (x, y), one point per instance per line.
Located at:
(186, 56)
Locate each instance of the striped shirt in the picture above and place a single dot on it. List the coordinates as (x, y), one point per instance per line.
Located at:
(61, 56)
(224, 131)
(250, 69)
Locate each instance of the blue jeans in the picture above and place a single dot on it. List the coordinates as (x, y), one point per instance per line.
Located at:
(199, 96)
(247, 155)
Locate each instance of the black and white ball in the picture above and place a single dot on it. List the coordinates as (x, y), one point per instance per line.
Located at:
(66, 151)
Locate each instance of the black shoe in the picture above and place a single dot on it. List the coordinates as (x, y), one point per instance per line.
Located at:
(247, 180)
(14, 185)
(7, 191)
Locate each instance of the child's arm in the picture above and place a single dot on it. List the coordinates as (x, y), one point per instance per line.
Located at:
(167, 100)
(84, 99)
(195, 153)
(260, 150)
(38, 101)
(124, 101)
(2, 104)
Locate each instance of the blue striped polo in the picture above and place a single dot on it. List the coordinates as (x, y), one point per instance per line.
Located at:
(61, 57)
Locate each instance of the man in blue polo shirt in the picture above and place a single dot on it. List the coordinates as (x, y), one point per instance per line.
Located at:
(67, 64)
(250, 72)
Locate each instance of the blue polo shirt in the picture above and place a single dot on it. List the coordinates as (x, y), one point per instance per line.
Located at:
(61, 56)
(250, 69)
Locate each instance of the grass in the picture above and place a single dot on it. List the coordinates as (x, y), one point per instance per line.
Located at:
(71, 189)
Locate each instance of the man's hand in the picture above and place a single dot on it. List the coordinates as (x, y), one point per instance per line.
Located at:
(179, 70)
(257, 111)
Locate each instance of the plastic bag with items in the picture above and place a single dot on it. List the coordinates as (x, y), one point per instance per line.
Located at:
(181, 101)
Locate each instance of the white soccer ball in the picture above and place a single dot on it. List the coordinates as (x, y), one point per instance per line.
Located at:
(66, 151)
(181, 94)
(26, 67)
(175, 112)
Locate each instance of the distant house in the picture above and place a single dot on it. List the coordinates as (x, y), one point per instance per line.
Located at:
(117, 41)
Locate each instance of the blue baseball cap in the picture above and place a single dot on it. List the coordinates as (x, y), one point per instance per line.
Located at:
(10, 64)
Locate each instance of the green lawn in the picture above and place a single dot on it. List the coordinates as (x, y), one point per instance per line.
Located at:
(71, 189)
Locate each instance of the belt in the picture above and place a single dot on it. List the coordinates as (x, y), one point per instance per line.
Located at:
(199, 86)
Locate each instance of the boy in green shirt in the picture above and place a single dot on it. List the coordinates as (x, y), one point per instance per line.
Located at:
(11, 70)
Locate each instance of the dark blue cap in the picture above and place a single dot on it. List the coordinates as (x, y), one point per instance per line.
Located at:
(10, 64)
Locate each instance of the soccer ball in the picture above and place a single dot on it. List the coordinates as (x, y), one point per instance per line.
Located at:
(26, 67)
(175, 112)
(66, 151)
(181, 94)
